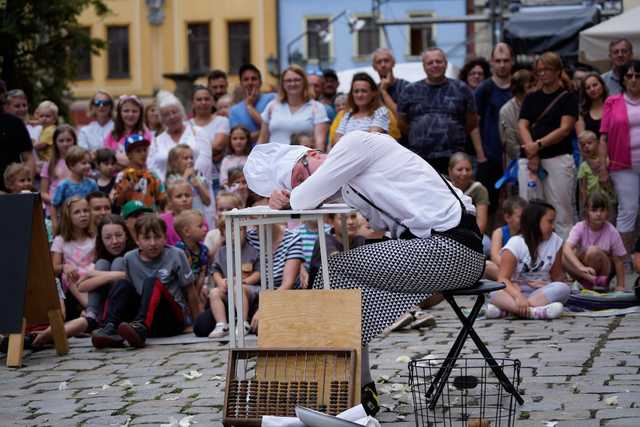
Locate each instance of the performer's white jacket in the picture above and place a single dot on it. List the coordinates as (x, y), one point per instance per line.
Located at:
(399, 182)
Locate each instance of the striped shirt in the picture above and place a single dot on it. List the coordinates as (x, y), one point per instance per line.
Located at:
(309, 238)
(290, 248)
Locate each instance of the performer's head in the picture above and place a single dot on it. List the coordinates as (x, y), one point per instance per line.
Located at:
(275, 166)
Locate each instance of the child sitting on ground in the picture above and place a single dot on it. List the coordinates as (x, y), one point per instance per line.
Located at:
(594, 246)
(137, 182)
(225, 201)
(216, 314)
(180, 166)
(589, 172)
(302, 138)
(192, 229)
(131, 211)
(72, 252)
(106, 166)
(180, 198)
(512, 211)
(158, 291)
(18, 178)
(112, 241)
(531, 267)
(78, 162)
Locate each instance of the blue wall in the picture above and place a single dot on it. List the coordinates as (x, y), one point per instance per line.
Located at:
(292, 13)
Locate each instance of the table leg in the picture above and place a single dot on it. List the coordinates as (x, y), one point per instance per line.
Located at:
(345, 236)
(228, 227)
(263, 258)
(323, 252)
(238, 280)
(269, 254)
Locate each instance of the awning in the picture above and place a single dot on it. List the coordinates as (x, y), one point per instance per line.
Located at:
(556, 30)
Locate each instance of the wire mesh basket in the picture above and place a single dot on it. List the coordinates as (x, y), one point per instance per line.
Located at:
(273, 381)
(471, 397)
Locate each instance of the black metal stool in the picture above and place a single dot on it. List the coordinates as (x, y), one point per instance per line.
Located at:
(479, 289)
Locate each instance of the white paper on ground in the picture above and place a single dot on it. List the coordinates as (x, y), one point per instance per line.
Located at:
(355, 414)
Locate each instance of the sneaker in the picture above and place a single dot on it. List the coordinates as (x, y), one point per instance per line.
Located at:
(221, 330)
(246, 326)
(549, 311)
(494, 312)
(369, 399)
(106, 337)
(135, 333)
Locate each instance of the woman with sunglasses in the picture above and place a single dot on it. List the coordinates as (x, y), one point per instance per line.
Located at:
(129, 121)
(92, 136)
(620, 145)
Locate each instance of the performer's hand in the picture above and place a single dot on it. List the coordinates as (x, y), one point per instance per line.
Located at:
(279, 199)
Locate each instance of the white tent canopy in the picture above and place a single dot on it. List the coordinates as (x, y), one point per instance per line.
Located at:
(594, 41)
(410, 71)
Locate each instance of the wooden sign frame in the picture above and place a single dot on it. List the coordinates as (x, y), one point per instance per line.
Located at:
(29, 282)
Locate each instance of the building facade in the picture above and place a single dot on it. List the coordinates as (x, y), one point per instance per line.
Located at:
(318, 34)
(147, 39)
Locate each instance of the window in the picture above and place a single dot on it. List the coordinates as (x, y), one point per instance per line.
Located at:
(420, 35)
(82, 55)
(368, 37)
(239, 45)
(199, 47)
(118, 51)
(317, 49)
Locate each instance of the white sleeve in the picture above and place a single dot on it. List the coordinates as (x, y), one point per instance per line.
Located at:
(204, 160)
(319, 112)
(83, 138)
(152, 158)
(517, 246)
(224, 125)
(268, 111)
(346, 161)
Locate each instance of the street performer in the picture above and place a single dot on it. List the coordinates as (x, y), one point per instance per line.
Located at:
(435, 243)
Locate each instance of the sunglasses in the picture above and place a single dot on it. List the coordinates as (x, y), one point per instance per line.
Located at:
(103, 102)
(630, 76)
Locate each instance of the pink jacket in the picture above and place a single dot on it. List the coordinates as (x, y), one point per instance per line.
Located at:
(615, 124)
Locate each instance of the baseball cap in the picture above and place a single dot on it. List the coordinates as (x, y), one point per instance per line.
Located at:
(133, 207)
(134, 140)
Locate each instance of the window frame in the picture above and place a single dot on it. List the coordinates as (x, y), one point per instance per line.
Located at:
(207, 51)
(420, 14)
(119, 74)
(329, 56)
(231, 68)
(359, 56)
(88, 59)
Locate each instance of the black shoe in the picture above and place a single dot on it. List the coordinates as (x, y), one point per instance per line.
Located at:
(135, 333)
(106, 337)
(369, 398)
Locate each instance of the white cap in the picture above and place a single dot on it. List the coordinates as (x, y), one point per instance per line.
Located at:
(269, 167)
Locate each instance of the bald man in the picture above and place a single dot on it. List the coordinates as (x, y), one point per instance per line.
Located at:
(390, 87)
(490, 96)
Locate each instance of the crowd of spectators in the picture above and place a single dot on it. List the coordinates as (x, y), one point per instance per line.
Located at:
(134, 199)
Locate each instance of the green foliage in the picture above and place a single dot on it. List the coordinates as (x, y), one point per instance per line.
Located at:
(38, 43)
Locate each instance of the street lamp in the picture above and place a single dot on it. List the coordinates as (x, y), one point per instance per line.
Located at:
(354, 24)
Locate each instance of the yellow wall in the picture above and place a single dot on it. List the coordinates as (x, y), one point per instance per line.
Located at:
(155, 50)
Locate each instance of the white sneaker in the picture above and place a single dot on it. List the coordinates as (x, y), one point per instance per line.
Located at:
(549, 311)
(494, 312)
(221, 330)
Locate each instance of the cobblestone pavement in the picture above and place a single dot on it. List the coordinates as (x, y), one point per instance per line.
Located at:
(579, 372)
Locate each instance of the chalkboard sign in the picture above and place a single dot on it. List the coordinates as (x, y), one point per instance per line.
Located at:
(28, 286)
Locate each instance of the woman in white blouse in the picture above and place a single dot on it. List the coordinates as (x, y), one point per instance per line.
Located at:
(177, 131)
(214, 128)
(365, 110)
(294, 111)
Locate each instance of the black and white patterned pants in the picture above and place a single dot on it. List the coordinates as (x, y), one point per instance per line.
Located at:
(395, 275)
